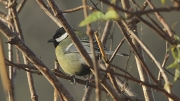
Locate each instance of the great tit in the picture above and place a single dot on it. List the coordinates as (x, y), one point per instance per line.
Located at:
(68, 56)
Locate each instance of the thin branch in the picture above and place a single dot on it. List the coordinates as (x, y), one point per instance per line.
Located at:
(131, 26)
(21, 5)
(106, 32)
(95, 5)
(57, 67)
(156, 87)
(88, 91)
(116, 50)
(32, 89)
(56, 72)
(135, 51)
(140, 13)
(10, 53)
(44, 7)
(149, 54)
(128, 95)
(161, 19)
(128, 59)
(114, 6)
(12, 5)
(4, 74)
(22, 66)
(3, 2)
(90, 33)
(149, 11)
(112, 79)
(153, 58)
(77, 9)
(112, 92)
(159, 74)
(18, 29)
(6, 21)
(158, 31)
(79, 81)
(118, 68)
(126, 88)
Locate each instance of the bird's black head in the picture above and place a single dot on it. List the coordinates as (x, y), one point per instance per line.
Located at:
(59, 36)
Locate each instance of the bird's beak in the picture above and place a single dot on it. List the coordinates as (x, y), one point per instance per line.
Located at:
(51, 40)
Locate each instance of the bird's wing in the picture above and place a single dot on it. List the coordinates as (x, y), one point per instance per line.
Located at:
(72, 48)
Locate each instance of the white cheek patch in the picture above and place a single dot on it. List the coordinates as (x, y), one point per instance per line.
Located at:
(62, 37)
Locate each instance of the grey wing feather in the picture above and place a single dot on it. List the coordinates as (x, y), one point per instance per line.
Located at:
(72, 49)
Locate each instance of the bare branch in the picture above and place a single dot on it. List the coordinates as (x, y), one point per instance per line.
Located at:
(78, 8)
(90, 33)
(21, 5)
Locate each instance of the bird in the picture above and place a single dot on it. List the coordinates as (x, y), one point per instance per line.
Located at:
(68, 56)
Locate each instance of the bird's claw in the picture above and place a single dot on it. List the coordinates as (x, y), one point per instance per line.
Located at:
(86, 85)
(73, 80)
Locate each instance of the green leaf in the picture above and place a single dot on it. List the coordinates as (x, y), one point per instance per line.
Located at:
(111, 14)
(174, 52)
(163, 2)
(92, 18)
(174, 25)
(177, 39)
(177, 74)
(172, 65)
(98, 15)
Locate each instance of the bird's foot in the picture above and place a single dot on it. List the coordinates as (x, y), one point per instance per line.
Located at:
(86, 85)
(73, 80)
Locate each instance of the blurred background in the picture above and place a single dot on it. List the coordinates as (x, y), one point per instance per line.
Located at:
(37, 28)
